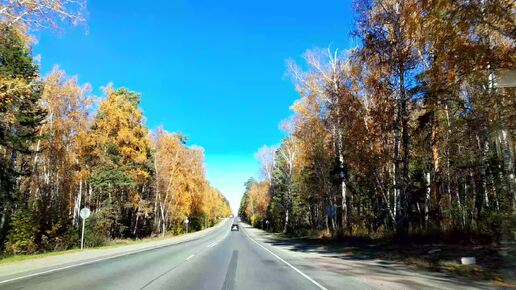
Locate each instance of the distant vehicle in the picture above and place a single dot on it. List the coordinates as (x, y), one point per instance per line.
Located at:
(235, 227)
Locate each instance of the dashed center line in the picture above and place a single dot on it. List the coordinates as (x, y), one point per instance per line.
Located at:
(189, 257)
(218, 241)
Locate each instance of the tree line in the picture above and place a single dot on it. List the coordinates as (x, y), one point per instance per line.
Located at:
(62, 149)
(407, 134)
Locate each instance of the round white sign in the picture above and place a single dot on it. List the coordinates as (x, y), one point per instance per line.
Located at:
(85, 213)
(186, 221)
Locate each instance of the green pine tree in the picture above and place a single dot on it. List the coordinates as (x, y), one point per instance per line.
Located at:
(20, 118)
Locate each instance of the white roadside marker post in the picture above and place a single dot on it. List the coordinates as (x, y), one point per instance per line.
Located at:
(186, 223)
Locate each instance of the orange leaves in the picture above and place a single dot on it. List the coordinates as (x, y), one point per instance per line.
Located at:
(11, 90)
(180, 183)
(68, 119)
(119, 123)
(118, 147)
(259, 200)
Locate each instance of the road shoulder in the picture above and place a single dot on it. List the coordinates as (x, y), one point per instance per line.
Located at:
(66, 260)
(334, 269)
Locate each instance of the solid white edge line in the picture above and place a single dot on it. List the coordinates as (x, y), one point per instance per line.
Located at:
(189, 257)
(71, 266)
(288, 264)
(86, 263)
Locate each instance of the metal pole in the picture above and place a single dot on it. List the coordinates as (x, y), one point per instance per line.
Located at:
(82, 235)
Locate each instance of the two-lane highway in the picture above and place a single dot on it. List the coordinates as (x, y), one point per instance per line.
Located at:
(221, 259)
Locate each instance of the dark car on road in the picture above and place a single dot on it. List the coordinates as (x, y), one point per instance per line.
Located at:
(235, 227)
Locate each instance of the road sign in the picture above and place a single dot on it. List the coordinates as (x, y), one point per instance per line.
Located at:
(84, 213)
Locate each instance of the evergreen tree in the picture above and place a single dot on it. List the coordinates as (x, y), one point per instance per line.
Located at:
(20, 118)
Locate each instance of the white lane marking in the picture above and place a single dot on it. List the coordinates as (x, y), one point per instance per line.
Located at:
(93, 261)
(288, 264)
(212, 244)
(189, 257)
(221, 239)
(70, 266)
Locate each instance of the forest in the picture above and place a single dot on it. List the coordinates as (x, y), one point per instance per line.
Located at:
(409, 134)
(63, 149)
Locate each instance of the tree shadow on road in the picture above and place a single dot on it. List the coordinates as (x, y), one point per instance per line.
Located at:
(407, 264)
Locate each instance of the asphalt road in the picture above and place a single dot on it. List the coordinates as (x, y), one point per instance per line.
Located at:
(221, 259)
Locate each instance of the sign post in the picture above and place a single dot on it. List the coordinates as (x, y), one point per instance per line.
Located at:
(186, 223)
(84, 213)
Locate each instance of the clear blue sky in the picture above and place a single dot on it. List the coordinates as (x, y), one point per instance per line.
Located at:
(213, 70)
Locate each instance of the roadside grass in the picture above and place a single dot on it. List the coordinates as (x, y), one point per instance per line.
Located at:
(495, 263)
(19, 258)
(110, 244)
(4, 260)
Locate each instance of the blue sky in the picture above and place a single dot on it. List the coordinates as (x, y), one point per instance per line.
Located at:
(213, 70)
